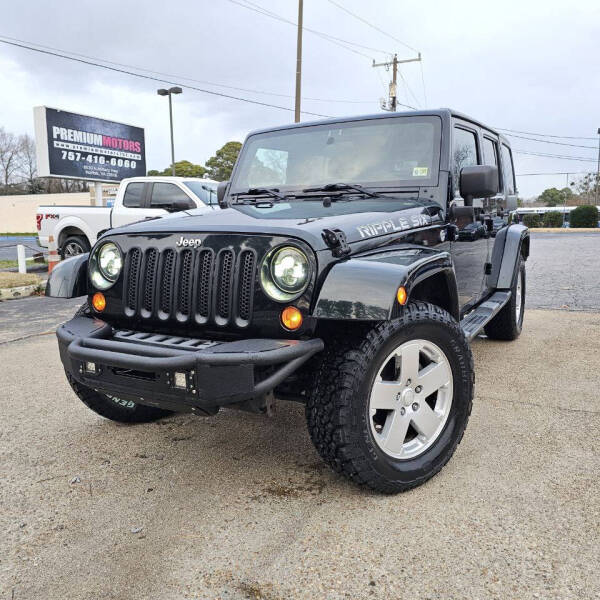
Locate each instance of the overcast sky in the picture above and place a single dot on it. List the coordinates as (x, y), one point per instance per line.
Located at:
(524, 65)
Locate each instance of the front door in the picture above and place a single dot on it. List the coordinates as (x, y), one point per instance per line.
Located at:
(470, 249)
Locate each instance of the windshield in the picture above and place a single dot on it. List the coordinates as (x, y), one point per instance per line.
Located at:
(386, 152)
(205, 190)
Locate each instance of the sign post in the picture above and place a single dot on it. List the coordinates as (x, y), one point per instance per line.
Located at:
(74, 146)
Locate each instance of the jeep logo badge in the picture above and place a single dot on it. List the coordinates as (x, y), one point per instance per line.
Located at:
(188, 242)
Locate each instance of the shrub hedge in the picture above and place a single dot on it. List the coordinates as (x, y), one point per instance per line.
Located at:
(532, 220)
(584, 216)
(553, 219)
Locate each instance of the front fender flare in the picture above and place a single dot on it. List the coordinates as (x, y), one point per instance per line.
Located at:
(364, 288)
(68, 279)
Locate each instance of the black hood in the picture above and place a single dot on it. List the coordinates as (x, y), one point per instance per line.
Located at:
(356, 226)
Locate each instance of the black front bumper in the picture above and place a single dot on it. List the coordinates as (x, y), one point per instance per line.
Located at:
(175, 372)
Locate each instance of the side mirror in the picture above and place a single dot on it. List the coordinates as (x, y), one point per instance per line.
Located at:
(179, 205)
(221, 189)
(478, 181)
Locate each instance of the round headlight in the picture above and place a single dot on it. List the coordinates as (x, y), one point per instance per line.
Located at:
(285, 273)
(105, 265)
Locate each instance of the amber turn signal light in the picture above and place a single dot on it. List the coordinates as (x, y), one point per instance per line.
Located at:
(99, 301)
(291, 318)
(401, 295)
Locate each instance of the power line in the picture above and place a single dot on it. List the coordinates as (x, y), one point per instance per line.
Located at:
(371, 25)
(326, 36)
(549, 141)
(182, 77)
(578, 158)
(554, 173)
(139, 75)
(565, 137)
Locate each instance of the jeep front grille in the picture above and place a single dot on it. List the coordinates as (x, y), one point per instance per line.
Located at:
(190, 285)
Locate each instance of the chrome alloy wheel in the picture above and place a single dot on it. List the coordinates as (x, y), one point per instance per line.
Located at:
(519, 297)
(411, 399)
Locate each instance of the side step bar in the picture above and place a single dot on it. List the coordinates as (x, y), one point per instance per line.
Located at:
(476, 320)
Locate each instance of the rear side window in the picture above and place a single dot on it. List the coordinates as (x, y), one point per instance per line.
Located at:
(134, 194)
(490, 155)
(166, 193)
(507, 170)
(464, 152)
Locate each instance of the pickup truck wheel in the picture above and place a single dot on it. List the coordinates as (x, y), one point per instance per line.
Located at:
(508, 323)
(74, 245)
(387, 410)
(114, 408)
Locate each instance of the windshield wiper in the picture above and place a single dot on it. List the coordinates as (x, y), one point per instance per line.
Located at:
(344, 187)
(272, 192)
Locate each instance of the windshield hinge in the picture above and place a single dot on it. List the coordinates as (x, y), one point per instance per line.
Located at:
(336, 240)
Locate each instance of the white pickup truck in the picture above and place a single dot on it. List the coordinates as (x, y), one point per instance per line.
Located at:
(76, 228)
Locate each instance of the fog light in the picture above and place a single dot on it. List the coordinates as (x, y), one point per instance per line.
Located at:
(291, 318)
(401, 295)
(180, 381)
(99, 301)
(90, 367)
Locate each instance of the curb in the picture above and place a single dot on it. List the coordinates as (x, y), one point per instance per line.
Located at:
(21, 291)
(564, 229)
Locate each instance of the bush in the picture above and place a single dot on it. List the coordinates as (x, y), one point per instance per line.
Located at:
(553, 219)
(584, 216)
(532, 220)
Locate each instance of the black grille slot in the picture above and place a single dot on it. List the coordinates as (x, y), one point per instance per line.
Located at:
(150, 279)
(224, 284)
(246, 284)
(184, 295)
(135, 257)
(204, 283)
(166, 283)
(189, 283)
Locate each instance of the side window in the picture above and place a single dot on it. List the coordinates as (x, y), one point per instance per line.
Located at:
(166, 193)
(464, 152)
(507, 170)
(490, 155)
(134, 195)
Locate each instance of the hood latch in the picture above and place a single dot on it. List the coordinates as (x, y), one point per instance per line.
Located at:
(336, 240)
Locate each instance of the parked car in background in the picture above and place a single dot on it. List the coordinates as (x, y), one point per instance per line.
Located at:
(76, 228)
(472, 231)
(497, 224)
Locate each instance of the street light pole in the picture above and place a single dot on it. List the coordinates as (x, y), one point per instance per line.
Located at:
(170, 92)
(598, 171)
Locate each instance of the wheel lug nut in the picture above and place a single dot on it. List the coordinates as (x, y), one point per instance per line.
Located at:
(418, 389)
(402, 411)
(415, 406)
(408, 381)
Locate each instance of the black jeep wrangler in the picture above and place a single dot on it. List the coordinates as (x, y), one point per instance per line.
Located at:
(334, 276)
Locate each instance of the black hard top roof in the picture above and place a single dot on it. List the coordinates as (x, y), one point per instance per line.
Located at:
(444, 113)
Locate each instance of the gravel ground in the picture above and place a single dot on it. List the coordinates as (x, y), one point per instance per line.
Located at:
(240, 506)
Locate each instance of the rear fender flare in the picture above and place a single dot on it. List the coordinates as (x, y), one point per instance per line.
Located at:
(511, 242)
(365, 288)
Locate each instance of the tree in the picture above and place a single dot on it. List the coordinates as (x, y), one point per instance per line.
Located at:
(588, 188)
(183, 168)
(552, 197)
(221, 164)
(27, 165)
(9, 156)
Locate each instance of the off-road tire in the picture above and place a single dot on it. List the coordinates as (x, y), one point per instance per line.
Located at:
(338, 404)
(505, 325)
(76, 240)
(115, 409)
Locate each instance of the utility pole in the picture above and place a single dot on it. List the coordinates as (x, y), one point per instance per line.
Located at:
(393, 101)
(598, 172)
(299, 62)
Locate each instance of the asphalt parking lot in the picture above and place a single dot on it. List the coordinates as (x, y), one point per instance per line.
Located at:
(240, 506)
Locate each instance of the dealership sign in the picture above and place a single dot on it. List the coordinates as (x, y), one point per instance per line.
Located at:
(83, 147)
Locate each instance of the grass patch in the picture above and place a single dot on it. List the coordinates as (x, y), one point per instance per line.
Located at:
(13, 264)
(9, 280)
(18, 234)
